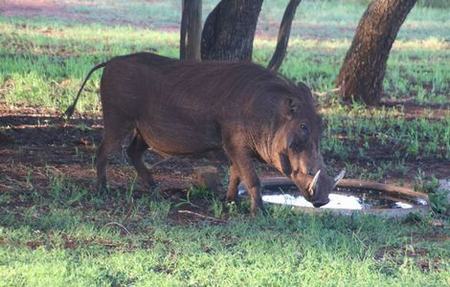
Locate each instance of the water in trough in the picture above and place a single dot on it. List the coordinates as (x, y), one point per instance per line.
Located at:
(340, 198)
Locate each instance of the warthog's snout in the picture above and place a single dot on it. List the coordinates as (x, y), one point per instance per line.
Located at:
(320, 187)
(320, 203)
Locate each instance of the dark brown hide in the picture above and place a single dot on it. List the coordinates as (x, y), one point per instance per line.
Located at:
(181, 107)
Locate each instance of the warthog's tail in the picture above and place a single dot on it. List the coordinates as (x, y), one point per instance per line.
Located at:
(68, 113)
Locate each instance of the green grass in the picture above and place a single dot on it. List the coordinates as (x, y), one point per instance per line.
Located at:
(63, 234)
(45, 51)
(57, 239)
(43, 64)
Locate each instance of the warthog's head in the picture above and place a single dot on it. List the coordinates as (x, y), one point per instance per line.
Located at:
(295, 150)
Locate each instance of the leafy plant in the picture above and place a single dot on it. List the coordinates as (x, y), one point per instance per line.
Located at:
(440, 201)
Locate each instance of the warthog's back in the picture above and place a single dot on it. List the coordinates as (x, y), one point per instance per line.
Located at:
(184, 107)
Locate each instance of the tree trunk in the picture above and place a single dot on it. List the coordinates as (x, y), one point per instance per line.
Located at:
(361, 75)
(283, 35)
(229, 30)
(191, 30)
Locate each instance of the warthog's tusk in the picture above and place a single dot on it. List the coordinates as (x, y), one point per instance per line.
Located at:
(313, 183)
(339, 177)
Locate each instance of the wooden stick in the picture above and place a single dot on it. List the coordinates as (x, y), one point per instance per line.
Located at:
(202, 216)
(388, 188)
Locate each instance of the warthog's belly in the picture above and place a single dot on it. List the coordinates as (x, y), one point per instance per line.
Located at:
(177, 137)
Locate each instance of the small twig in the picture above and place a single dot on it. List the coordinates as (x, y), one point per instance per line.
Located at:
(186, 201)
(118, 224)
(202, 216)
(393, 102)
(49, 167)
(321, 94)
(16, 182)
(6, 186)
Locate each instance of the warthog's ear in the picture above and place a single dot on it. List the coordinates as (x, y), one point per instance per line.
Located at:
(290, 107)
(285, 163)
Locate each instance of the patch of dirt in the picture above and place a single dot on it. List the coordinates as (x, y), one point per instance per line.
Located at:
(412, 110)
(31, 8)
(188, 216)
(66, 10)
(35, 244)
(419, 256)
(437, 236)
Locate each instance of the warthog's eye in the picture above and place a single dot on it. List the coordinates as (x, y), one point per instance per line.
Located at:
(304, 127)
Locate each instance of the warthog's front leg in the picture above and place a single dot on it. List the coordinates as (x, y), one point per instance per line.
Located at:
(244, 164)
(135, 152)
(233, 183)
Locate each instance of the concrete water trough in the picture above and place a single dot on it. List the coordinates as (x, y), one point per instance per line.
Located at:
(349, 197)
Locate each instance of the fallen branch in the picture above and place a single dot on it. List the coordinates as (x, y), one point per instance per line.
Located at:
(183, 211)
(321, 94)
(388, 188)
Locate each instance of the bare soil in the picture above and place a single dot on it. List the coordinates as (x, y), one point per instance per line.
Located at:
(32, 8)
(56, 10)
(34, 142)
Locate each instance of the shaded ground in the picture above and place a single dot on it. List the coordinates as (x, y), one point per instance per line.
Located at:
(34, 142)
(38, 150)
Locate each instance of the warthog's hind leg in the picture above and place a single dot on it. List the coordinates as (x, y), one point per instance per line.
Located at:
(115, 130)
(135, 152)
(107, 147)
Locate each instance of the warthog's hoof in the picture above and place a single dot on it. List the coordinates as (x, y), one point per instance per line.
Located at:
(102, 188)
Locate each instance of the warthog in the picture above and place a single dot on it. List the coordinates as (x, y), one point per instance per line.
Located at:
(181, 108)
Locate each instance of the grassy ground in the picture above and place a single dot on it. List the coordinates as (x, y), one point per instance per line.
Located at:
(68, 238)
(55, 230)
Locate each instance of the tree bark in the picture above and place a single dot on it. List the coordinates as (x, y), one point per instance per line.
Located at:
(283, 35)
(191, 30)
(361, 75)
(229, 30)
